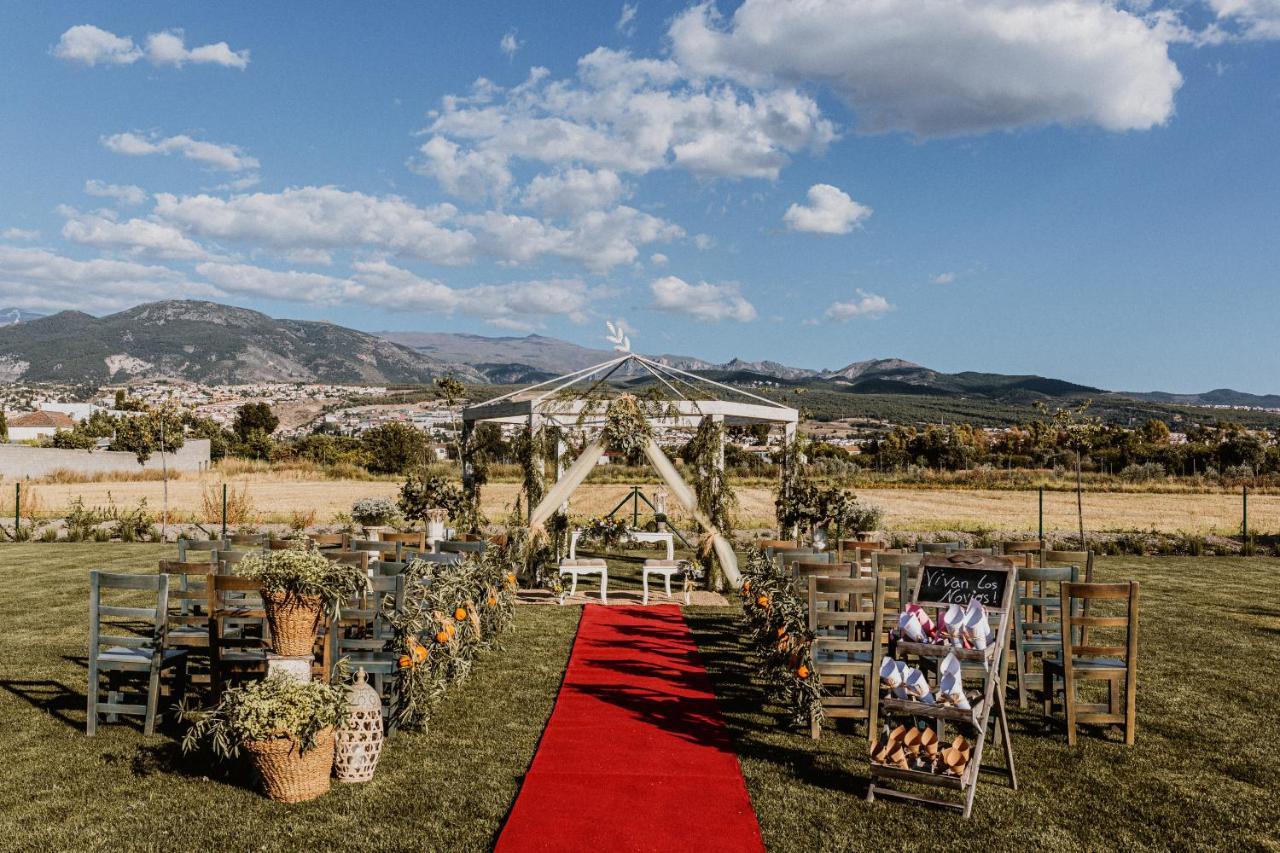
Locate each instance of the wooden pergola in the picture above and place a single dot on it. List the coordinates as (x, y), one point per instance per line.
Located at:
(572, 402)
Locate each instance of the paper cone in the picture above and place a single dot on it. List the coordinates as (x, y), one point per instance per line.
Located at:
(891, 673)
(909, 626)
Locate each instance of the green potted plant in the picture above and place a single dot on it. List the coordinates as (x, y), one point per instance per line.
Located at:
(373, 514)
(285, 726)
(298, 587)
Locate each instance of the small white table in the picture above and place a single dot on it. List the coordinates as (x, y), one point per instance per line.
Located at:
(635, 536)
(574, 568)
(666, 568)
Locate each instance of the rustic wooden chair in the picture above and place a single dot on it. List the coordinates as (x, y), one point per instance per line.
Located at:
(325, 541)
(430, 557)
(1111, 662)
(249, 540)
(783, 544)
(415, 539)
(801, 571)
(363, 633)
(238, 637)
(196, 550)
(898, 571)
(350, 558)
(1037, 627)
(845, 615)
(455, 546)
(937, 547)
(803, 555)
(188, 619)
(274, 544)
(383, 550)
(142, 653)
(1081, 559)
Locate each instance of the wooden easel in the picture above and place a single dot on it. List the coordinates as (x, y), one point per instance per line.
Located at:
(943, 581)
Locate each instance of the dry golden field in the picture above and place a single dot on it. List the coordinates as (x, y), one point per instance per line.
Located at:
(274, 498)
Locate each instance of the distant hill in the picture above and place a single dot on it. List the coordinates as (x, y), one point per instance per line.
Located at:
(206, 342)
(13, 316)
(1217, 397)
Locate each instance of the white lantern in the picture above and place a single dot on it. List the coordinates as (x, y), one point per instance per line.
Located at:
(358, 741)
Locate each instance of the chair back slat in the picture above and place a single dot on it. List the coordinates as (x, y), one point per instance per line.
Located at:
(937, 547)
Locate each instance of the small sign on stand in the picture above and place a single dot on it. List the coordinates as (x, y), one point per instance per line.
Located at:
(956, 579)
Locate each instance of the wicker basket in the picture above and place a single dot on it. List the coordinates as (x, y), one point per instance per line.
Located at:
(289, 776)
(292, 619)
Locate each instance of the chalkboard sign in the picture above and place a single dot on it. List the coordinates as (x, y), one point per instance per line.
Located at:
(956, 578)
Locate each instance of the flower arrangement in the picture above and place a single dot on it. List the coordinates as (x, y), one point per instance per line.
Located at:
(450, 615)
(285, 725)
(608, 532)
(421, 494)
(626, 426)
(299, 585)
(778, 625)
(373, 512)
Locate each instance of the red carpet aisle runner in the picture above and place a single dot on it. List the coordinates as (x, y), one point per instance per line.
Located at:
(635, 756)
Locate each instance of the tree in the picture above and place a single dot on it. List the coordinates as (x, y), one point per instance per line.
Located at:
(220, 438)
(1079, 433)
(4, 427)
(254, 416)
(156, 430)
(392, 448)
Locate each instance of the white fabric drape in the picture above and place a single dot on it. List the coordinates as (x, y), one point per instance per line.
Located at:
(684, 494)
(568, 482)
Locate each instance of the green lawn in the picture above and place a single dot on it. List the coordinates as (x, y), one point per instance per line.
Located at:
(1203, 773)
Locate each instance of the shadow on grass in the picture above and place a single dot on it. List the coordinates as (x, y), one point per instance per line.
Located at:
(53, 697)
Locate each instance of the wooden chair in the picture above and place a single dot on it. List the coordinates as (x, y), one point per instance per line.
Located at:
(285, 544)
(1081, 559)
(777, 544)
(1011, 547)
(187, 617)
(898, 571)
(350, 558)
(845, 615)
(238, 638)
(195, 550)
(330, 540)
(804, 555)
(230, 557)
(1037, 627)
(143, 653)
(802, 571)
(363, 633)
(416, 539)
(1112, 663)
(239, 540)
(429, 557)
(454, 546)
(383, 550)
(937, 547)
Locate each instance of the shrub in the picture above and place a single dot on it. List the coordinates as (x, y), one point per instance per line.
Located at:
(302, 572)
(372, 512)
(1144, 473)
(276, 707)
(240, 509)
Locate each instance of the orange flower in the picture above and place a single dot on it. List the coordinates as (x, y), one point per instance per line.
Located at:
(763, 601)
(460, 614)
(803, 671)
(511, 578)
(442, 637)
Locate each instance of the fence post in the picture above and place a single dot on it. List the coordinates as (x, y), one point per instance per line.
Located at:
(1246, 545)
(17, 507)
(224, 510)
(1041, 536)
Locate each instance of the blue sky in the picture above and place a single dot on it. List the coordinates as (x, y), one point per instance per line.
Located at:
(1079, 189)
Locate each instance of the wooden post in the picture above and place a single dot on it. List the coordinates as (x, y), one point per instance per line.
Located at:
(17, 507)
(1246, 546)
(1041, 536)
(224, 510)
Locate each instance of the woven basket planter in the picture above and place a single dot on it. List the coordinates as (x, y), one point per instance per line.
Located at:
(288, 775)
(292, 619)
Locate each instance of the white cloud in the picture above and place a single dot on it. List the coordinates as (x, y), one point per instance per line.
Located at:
(228, 158)
(1258, 19)
(658, 259)
(293, 285)
(942, 67)
(509, 44)
(321, 218)
(634, 116)
(627, 19)
(598, 240)
(169, 48)
(42, 280)
(92, 45)
(943, 278)
(703, 241)
(829, 211)
(134, 236)
(866, 305)
(707, 302)
(123, 193)
(573, 192)
(472, 175)
(19, 234)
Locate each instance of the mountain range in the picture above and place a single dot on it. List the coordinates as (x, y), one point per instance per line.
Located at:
(208, 342)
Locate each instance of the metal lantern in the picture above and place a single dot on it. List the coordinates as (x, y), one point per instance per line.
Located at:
(359, 740)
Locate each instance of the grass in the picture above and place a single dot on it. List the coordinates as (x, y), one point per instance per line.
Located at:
(449, 788)
(1201, 775)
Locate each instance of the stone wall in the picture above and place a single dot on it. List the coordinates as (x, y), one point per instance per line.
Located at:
(18, 461)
